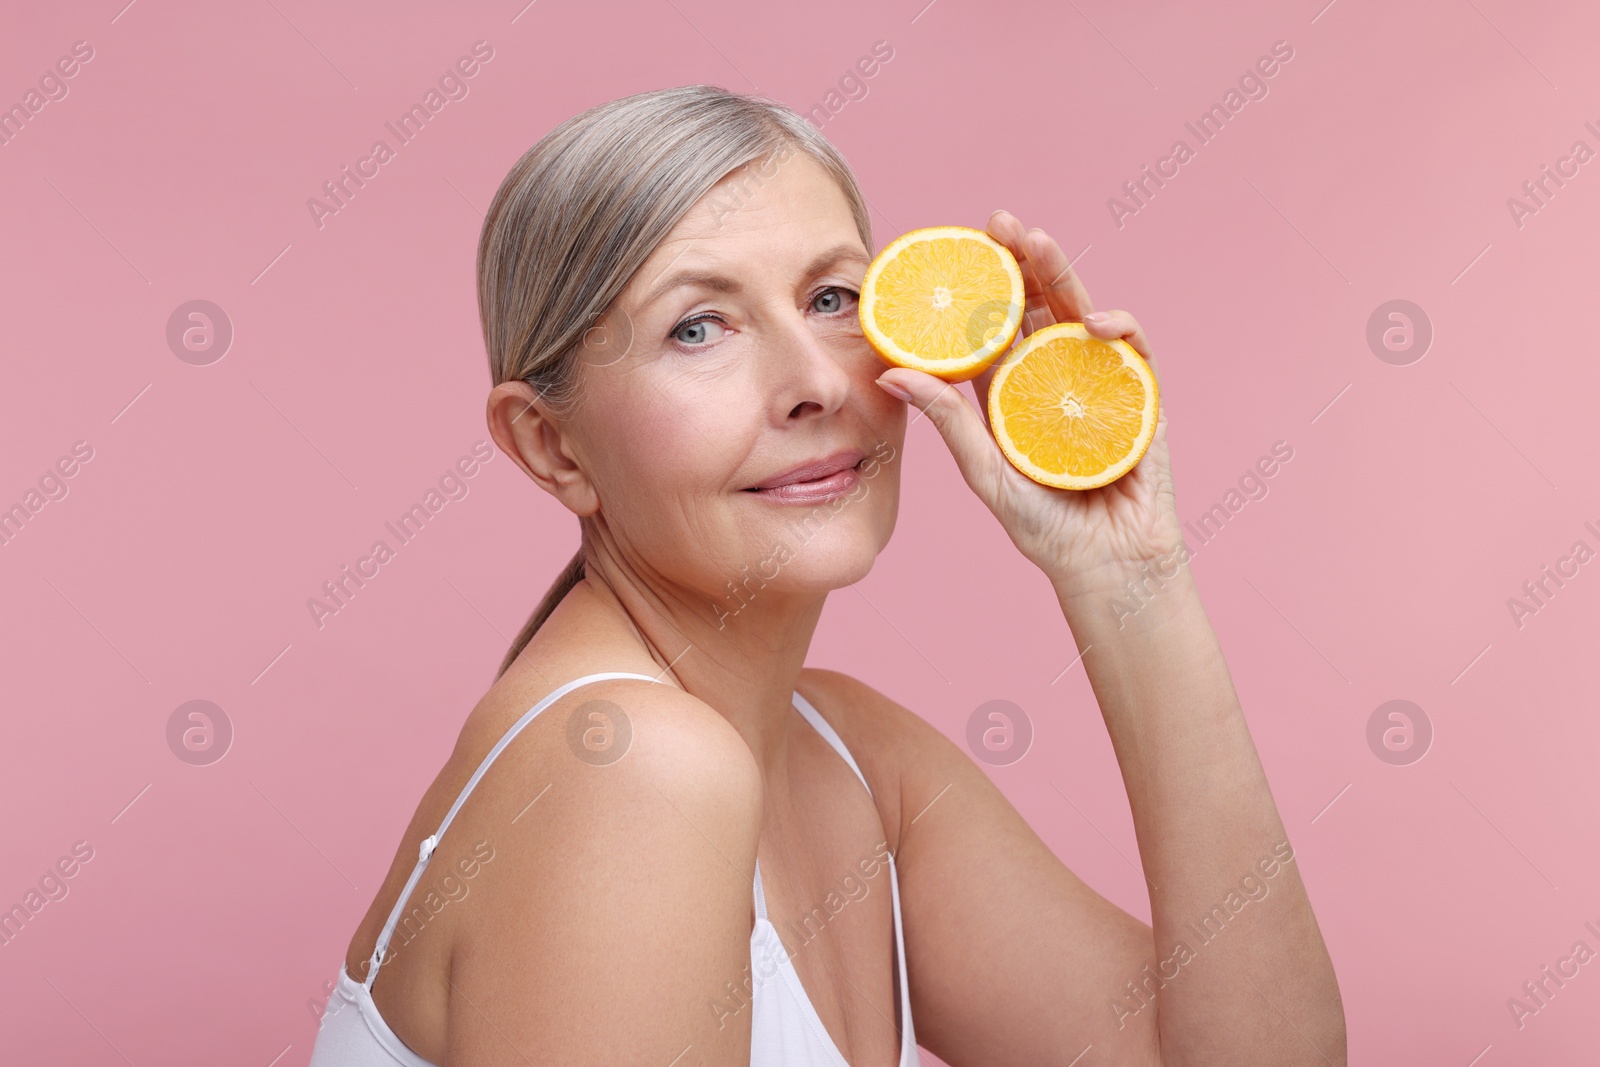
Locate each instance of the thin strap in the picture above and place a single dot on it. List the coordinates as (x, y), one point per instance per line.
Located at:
(908, 1040)
(425, 853)
(815, 719)
(820, 724)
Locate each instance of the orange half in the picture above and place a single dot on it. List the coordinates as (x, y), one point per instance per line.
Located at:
(1072, 411)
(946, 300)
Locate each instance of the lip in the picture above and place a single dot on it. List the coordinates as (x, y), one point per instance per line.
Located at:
(813, 470)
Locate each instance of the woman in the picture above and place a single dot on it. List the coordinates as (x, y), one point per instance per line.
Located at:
(668, 284)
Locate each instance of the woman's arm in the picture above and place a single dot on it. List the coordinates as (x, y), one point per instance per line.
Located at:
(1234, 969)
(1016, 961)
(1249, 972)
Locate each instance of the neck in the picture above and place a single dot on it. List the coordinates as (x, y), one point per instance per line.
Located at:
(741, 658)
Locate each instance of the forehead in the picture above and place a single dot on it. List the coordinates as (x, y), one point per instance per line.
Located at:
(787, 198)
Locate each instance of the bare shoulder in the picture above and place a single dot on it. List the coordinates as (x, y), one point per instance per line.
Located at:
(893, 744)
(628, 723)
(624, 902)
(621, 826)
(599, 758)
(866, 712)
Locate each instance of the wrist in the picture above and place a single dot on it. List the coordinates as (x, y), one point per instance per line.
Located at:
(1125, 594)
(1152, 567)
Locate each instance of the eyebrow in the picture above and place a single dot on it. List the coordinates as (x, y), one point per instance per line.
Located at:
(721, 283)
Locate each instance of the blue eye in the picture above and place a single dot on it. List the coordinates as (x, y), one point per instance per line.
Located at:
(833, 297)
(693, 332)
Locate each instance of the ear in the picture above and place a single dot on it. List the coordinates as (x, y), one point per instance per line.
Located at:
(524, 429)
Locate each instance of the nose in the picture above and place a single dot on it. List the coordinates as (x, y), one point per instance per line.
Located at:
(806, 375)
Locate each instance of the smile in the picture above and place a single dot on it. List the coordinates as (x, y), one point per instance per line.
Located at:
(815, 491)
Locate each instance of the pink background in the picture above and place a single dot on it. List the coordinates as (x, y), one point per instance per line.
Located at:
(220, 497)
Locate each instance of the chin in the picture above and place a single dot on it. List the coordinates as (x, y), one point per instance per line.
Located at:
(805, 557)
(833, 559)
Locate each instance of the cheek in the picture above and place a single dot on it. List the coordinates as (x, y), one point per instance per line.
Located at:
(653, 434)
(671, 439)
(888, 415)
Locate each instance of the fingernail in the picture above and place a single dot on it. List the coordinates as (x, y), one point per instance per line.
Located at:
(1096, 316)
(894, 390)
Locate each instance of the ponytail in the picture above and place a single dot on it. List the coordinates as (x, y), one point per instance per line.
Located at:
(570, 576)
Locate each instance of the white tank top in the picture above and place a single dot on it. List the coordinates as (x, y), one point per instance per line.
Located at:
(785, 1030)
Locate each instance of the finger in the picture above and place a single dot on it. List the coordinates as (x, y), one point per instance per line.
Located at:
(976, 453)
(1114, 324)
(1007, 229)
(1063, 291)
(980, 392)
(980, 385)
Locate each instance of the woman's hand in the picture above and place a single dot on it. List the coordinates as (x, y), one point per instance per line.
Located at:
(1086, 540)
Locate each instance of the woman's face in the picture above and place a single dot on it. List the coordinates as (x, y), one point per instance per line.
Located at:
(734, 355)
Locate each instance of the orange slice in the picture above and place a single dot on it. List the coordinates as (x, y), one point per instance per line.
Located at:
(946, 300)
(1072, 411)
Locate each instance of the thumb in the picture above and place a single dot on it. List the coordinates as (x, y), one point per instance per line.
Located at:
(962, 427)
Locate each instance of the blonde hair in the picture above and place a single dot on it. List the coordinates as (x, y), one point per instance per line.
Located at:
(583, 209)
